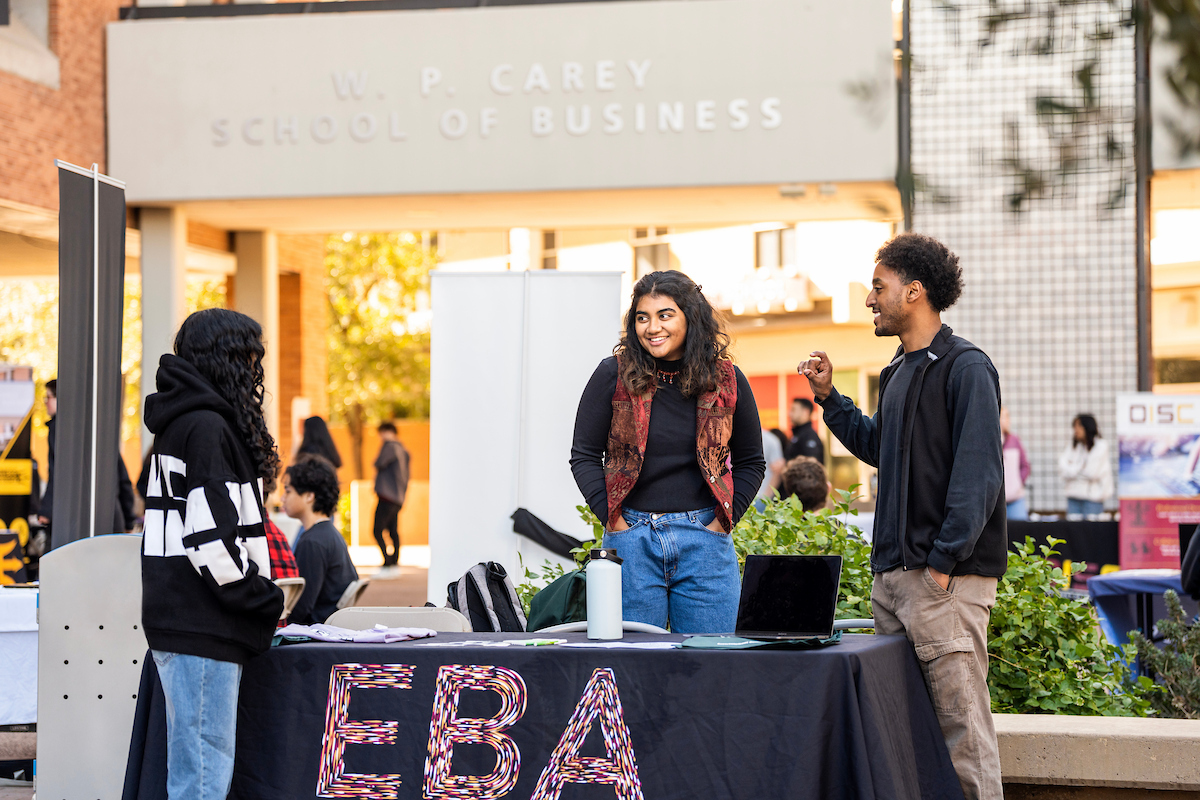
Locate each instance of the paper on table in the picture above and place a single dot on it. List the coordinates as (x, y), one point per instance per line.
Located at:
(465, 643)
(625, 645)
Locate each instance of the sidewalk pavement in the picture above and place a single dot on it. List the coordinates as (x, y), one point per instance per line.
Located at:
(408, 588)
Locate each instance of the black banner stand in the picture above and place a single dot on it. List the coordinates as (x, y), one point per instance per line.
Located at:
(91, 274)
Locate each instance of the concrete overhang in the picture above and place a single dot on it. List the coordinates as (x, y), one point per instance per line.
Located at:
(716, 205)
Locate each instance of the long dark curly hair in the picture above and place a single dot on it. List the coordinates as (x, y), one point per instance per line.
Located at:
(226, 348)
(318, 441)
(706, 343)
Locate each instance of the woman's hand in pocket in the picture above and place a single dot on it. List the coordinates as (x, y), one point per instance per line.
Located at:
(715, 526)
(621, 525)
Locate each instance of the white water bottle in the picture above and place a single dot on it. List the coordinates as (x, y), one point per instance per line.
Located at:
(604, 595)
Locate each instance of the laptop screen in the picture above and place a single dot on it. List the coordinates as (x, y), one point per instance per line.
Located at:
(789, 596)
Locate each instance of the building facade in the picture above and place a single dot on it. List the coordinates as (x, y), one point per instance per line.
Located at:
(630, 137)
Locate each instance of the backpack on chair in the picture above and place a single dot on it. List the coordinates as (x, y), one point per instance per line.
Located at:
(486, 597)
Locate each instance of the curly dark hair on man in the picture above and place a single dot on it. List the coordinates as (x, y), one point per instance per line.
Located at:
(315, 474)
(917, 257)
(705, 345)
(226, 348)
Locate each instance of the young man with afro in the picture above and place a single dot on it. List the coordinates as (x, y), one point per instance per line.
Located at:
(940, 537)
(310, 494)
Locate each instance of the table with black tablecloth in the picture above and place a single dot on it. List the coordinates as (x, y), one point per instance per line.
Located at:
(1095, 543)
(849, 720)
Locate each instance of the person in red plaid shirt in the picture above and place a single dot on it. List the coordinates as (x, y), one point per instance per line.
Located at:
(283, 563)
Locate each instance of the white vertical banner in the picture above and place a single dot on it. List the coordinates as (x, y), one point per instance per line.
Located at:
(511, 353)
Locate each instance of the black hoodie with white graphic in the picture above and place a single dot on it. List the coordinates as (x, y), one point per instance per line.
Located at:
(206, 570)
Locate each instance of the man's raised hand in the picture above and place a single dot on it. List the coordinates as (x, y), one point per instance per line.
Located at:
(819, 372)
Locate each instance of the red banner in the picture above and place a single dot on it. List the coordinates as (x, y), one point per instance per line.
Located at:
(1150, 530)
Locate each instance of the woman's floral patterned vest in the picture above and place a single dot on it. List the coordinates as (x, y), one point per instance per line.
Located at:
(631, 425)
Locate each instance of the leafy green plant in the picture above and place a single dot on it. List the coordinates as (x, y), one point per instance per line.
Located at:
(580, 554)
(1176, 665)
(378, 334)
(1047, 654)
(553, 570)
(1046, 650)
(783, 527)
(534, 583)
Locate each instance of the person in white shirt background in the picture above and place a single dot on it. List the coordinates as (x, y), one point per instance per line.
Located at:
(1086, 469)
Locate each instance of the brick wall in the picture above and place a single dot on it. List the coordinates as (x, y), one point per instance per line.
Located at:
(303, 323)
(290, 359)
(314, 310)
(207, 236)
(39, 124)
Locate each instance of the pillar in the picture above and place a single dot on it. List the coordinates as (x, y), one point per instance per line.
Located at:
(256, 294)
(164, 286)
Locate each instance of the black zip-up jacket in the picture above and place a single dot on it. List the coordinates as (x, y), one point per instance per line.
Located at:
(206, 569)
(952, 511)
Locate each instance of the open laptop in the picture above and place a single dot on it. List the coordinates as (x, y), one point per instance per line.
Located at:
(789, 597)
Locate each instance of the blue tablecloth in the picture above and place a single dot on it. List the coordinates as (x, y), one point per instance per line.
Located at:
(1115, 598)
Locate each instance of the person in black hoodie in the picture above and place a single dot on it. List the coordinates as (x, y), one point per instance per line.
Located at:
(208, 603)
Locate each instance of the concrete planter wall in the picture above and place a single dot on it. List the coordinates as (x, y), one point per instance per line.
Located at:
(1053, 757)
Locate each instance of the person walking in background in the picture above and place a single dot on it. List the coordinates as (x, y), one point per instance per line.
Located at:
(940, 535)
(317, 441)
(391, 485)
(1016, 471)
(310, 494)
(1085, 469)
(208, 603)
(668, 452)
(804, 441)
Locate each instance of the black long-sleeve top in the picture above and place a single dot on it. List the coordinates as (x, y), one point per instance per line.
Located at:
(978, 470)
(324, 563)
(670, 479)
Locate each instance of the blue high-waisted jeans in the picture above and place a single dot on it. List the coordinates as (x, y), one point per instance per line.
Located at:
(201, 697)
(677, 571)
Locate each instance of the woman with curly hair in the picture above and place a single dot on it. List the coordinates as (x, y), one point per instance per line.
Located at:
(668, 452)
(208, 603)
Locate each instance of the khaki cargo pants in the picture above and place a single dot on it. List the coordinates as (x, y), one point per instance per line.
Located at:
(948, 630)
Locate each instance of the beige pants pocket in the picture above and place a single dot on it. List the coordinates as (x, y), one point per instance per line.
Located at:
(949, 671)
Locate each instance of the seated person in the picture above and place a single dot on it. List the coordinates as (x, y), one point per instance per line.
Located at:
(805, 477)
(310, 494)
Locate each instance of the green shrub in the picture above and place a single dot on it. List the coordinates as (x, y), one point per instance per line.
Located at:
(1176, 665)
(783, 528)
(1046, 650)
(553, 570)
